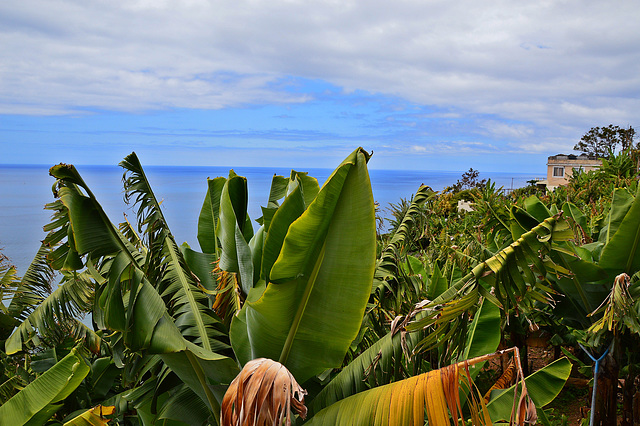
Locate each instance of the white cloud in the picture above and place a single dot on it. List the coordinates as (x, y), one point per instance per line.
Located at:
(436, 148)
(503, 130)
(557, 66)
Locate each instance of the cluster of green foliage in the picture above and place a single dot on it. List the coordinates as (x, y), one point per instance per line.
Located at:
(590, 285)
(171, 326)
(313, 287)
(602, 142)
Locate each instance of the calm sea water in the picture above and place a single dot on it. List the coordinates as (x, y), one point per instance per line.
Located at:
(24, 190)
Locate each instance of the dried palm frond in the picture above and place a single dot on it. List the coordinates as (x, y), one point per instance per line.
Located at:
(616, 308)
(228, 296)
(436, 393)
(264, 393)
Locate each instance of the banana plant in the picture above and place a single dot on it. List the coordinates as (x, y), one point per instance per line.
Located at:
(228, 240)
(42, 398)
(389, 278)
(307, 307)
(145, 293)
(38, 305)
(147, 296)
(596, 279)
(610, 299)
(502, 273)
(462, 297)
(375, 365)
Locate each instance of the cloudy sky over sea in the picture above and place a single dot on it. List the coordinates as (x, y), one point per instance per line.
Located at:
(440, 85)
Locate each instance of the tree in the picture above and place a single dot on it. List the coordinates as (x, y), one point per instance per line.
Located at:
(604, 141)
(469, 180)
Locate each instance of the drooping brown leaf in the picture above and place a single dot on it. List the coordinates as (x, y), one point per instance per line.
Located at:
(228, 298)
(505, 381)
(264, 393)
(615, 308)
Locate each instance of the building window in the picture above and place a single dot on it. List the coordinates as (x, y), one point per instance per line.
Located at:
(558, 172)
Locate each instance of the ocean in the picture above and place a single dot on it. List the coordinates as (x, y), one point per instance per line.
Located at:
(25, 189)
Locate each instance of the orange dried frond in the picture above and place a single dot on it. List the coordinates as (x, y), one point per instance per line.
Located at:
(435, 393)
(264, 393)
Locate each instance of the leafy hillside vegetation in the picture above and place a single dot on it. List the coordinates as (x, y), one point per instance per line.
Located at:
(311, 314)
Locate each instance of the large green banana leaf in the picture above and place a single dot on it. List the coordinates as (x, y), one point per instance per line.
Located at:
(154, 300)
(620, 203)
(622, 251)
(38, 401)
(235, 231)
(292, 207)
(536, 208)
(484, 334)
(313, 305)
(209, 216)
(86, 217)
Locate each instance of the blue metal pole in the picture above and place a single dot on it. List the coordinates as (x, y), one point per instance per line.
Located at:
(596, 368)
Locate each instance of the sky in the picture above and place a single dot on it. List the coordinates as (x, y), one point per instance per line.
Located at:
(425, 85)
